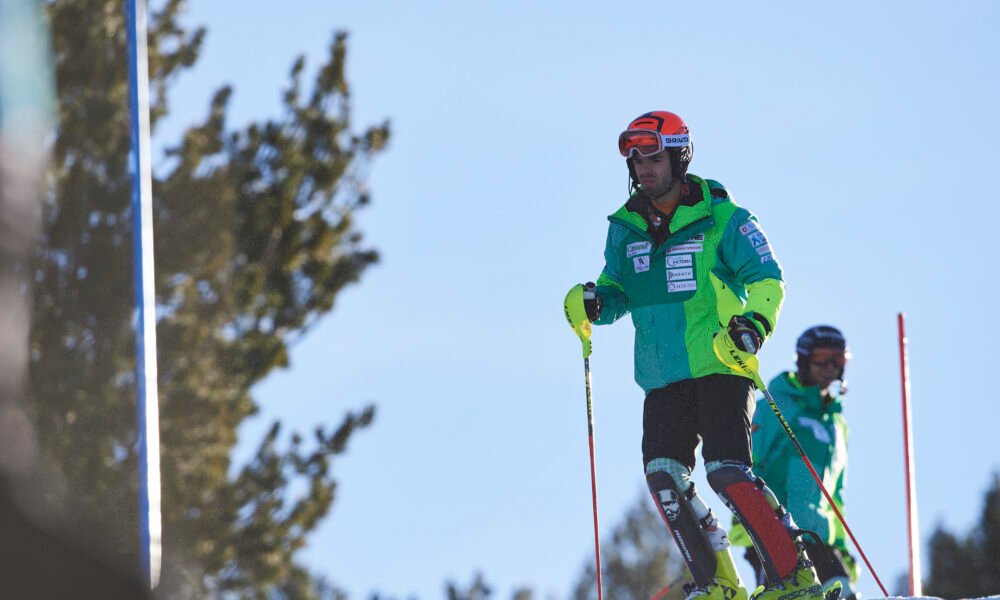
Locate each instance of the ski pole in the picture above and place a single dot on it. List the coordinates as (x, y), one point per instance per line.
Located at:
(744, 361)
(577, 317)
(660, 595)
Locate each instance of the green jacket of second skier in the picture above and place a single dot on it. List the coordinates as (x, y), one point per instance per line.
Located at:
(818, 424)
(683, 284)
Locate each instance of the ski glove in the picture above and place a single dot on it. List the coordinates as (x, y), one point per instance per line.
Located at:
(746, 332)
(575, 308)
(591, 301)
(733, 357)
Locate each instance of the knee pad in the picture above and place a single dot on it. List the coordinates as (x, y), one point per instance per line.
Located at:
(760, 513)
(678, 472)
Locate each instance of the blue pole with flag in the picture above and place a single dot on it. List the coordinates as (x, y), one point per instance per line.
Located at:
(145, 300)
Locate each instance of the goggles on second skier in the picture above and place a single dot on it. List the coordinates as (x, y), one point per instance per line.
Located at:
(825, 358)
(648, 143)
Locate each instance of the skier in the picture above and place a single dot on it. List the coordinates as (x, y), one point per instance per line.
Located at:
(813, 410)
(693, 267)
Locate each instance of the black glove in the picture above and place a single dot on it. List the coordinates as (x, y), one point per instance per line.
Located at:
(745, 333)
(591, 301)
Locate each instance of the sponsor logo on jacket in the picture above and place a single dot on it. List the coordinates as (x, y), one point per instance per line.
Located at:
(679, 260)
(686, 273)
(641, 263)
(638, 248)
(758, 241)
(686, 247)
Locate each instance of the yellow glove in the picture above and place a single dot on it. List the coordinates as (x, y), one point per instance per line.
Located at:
(575, 309)
(731, 356)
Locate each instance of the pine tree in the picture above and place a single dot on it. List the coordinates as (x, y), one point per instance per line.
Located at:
(255, 237)
(638, 563)
(967, 568)
(477, 590)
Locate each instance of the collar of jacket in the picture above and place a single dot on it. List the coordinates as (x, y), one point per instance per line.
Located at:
(693, 209)
(808, 396)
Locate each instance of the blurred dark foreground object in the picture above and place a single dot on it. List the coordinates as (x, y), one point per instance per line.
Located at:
(36, 561)
(38, 564)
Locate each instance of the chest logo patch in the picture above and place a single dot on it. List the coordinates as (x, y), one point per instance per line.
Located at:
(638, 248)
(675, 274)
(819, 432)
(641, 263)
(679, 260)
(682, 286)
(684, 248)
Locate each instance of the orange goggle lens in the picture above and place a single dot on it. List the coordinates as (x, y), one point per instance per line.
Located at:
(648, 143)
(643, 141)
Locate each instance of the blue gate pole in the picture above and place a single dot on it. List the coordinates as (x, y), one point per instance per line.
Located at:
(145, 301)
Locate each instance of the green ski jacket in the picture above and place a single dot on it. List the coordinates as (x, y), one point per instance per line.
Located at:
(715, 262)
(822, 431)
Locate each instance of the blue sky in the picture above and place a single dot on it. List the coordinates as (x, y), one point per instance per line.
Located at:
(862, 135)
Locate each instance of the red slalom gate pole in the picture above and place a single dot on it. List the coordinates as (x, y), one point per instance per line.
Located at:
(912, 525)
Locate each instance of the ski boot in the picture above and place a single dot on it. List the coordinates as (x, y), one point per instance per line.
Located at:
(725, 585)
(801, 584)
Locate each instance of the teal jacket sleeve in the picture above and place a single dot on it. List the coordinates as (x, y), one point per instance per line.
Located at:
(614, 301)
(839, 534)
(838, 491)
(747, 252)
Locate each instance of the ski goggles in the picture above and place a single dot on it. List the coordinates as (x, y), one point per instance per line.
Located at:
(829, 358)
(648, 143)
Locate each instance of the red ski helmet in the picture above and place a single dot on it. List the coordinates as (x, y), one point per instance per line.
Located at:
(654, 132)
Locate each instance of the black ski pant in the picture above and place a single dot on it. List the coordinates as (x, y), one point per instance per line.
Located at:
(714, 409)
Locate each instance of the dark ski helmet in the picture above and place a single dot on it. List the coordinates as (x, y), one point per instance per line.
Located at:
(819, 336)
(654, 132)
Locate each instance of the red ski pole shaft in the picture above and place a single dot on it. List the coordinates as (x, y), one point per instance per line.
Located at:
(809, 465)
(593, 477)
